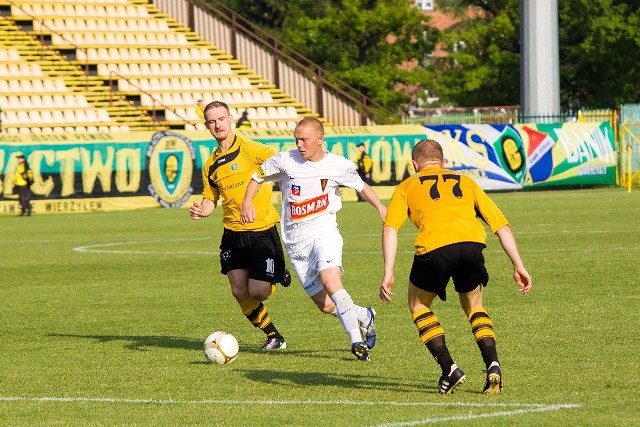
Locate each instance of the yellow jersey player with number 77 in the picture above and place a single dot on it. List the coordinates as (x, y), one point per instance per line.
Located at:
(447, 207)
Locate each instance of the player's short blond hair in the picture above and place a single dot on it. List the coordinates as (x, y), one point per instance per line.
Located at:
(216, 104)
(427, 150)
(313, 123)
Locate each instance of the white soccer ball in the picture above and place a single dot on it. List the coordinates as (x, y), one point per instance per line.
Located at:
(221, 348)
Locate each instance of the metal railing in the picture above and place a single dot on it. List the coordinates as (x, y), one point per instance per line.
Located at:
(154, 101)
(458, 115)
(43, 45)
(501, 115)
(327, 95)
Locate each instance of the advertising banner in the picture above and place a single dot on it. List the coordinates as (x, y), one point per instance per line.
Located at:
(82, 172)
(503, 157)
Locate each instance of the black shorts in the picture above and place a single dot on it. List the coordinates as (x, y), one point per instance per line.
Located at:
(463, 262)
(260, 252)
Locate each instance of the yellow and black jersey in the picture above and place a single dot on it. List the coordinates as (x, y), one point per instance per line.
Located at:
(227, 174)
(364, 164)
(445, 206)
(23, 176)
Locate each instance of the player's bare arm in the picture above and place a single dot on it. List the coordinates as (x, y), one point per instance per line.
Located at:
(372, 198)
(520, 274)
(199, 210)
(389, 249)
(248, 213)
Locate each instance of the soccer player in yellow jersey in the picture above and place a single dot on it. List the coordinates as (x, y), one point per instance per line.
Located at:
(447, 207)
(363, 166)
(251, 254)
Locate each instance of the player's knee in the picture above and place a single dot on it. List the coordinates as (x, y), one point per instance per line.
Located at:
(262, 292)
(240, 295)
(415, 305)
(470, 308)
(328, 309)
(327, 306)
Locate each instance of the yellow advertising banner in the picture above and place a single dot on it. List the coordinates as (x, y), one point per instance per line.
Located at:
(88, 172)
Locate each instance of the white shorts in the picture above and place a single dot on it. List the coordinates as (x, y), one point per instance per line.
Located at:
(309, 260)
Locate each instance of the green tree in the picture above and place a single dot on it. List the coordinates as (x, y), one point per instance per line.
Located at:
(599, 41)
(383, 48)
(482, 67)
(267, 13)
(364, 43)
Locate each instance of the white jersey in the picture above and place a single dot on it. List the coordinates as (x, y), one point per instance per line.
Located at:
(310, 191)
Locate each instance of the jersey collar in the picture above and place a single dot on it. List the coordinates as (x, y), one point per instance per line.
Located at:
(231, 147)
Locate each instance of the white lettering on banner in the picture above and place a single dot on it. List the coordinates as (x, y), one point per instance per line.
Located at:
(592, 170)
(584, 144)
(309, 207)
(472, 151)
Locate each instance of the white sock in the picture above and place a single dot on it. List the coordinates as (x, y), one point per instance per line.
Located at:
(494, 364)
(363, 316)
(453, 368)
(348, 314)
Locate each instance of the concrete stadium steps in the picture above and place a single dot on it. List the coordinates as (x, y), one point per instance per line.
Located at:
(56, 76)
(59, 35)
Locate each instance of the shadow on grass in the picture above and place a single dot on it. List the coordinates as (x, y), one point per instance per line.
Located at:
(272, 376)
(139, 342)
(322, 379)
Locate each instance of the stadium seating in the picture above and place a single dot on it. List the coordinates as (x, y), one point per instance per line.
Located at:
(141, 65)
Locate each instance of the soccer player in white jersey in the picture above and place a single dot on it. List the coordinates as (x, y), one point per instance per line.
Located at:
(309, 178)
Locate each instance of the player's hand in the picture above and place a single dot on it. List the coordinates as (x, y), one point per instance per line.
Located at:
(523, 279)
(383, 213)
(195, 211)
(385, 287)
(248, 213)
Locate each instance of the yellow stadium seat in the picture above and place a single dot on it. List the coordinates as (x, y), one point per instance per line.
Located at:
(81, 116)
(69, 116)
(155, 69)
(103, 115)
(57, 116)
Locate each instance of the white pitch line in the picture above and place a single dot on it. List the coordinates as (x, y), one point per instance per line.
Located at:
(524, 408)
(517, 232)
(529, 406)
(533, 408)
(115, 251)
(96, 249)
(102, 248)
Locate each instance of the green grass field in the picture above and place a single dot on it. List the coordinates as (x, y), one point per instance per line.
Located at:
(103, 318)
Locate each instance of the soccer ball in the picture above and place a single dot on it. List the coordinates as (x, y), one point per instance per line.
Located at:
(221, 348)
